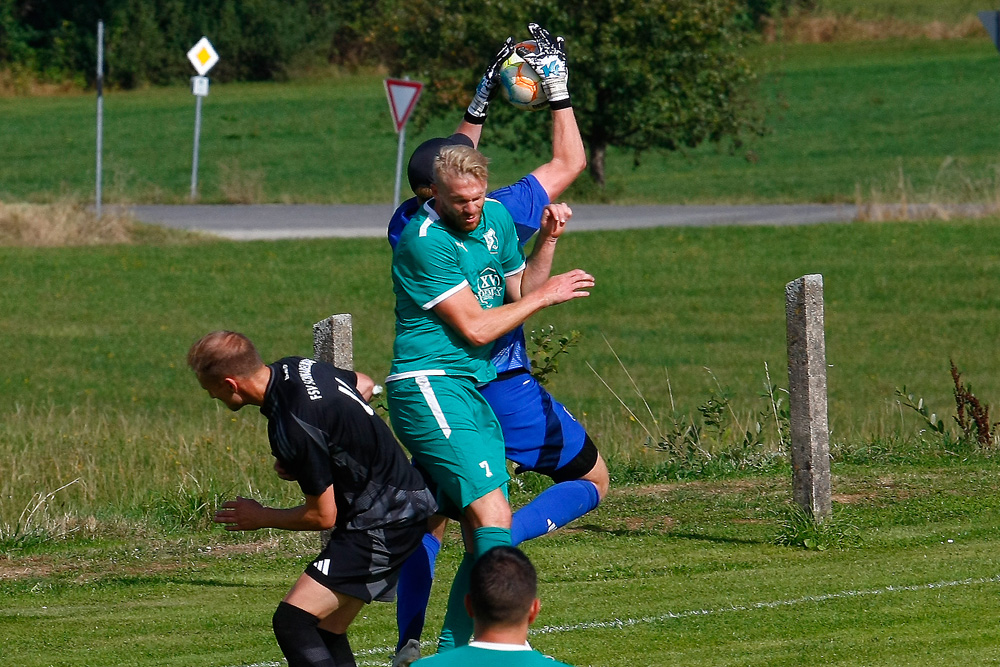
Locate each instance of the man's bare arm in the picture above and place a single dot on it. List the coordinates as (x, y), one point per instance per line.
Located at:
(539, 264)
(569, 157)
(463, 313)
(365, 386)
(471, 130)
(316, 513)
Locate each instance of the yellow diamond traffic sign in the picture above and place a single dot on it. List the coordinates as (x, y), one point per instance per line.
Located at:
(203, 56)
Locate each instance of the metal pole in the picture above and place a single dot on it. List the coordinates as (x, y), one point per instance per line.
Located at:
(399, 166)
(100, 111)
(197, 134)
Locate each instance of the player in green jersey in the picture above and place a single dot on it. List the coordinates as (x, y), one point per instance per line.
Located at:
(503, 601)
(461, 282)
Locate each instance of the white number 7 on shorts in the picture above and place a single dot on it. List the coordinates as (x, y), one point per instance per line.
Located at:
(486, 466)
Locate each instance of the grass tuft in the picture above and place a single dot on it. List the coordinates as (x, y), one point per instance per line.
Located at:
(35, 525)
(717, 442)
(797, 529)
(190, 506)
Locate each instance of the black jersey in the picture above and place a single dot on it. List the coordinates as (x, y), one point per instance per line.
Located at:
(323, 432)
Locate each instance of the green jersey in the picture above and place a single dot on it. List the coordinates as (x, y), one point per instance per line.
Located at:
(484, 654)
(432, 262)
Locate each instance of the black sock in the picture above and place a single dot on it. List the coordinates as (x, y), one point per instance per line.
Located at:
(299, 638)
(339, 647)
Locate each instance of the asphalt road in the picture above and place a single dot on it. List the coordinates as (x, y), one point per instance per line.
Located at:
(279, 221)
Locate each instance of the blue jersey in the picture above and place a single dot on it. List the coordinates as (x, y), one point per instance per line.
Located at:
(525, 200)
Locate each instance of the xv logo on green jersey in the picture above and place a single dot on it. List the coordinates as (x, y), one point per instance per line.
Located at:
(489, 289)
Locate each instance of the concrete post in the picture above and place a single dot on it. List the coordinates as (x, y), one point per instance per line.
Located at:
(333, 342)
(807, 395)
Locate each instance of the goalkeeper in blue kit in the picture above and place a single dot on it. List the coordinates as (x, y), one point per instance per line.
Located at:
(539, 434)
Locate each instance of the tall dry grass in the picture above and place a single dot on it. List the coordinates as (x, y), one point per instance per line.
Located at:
(954, 193)
(811, 29)
(73, 223)
(239, 185)
(62, 224)
(19, 81)
(93, 467)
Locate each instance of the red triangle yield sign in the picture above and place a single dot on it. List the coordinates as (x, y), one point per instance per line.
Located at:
(403, 95)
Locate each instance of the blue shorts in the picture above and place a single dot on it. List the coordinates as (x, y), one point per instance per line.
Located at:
(539, 434)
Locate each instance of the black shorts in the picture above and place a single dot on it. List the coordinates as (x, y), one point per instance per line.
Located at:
(579, 466)
(366, 564)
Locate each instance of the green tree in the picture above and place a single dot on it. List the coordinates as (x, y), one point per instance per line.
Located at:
(15, 36)
(644, 74)
(146, 39)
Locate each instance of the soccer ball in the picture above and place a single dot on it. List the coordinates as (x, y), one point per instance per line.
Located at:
(519, 84)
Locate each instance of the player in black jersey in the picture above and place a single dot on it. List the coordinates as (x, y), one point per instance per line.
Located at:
(355, 478)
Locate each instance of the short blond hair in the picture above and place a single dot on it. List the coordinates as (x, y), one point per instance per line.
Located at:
(462, 162)
(223, 354)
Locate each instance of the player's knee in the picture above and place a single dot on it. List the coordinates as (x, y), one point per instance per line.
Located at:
(489, 510)
(436, 525)
(599, 477)
(290, 623)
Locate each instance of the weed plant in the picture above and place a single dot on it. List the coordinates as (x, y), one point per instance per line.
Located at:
(715, 442)
(797, 528)
(34, 525)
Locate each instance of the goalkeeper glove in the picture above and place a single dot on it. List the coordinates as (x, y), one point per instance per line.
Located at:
(487, 88)
(549, 63)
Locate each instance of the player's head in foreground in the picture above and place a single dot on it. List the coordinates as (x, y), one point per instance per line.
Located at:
(420, 168)
(459, 188)
(229, 368)
(503, 595)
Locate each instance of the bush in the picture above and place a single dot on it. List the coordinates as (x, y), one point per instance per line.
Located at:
(146, 40)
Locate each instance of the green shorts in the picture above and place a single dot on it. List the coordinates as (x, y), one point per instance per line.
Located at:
(452, 433)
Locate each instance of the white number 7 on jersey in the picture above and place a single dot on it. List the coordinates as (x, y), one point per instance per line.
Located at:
(486, 466)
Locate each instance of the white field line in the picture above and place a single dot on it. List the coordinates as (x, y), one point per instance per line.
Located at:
(622, 623)
(670, 615)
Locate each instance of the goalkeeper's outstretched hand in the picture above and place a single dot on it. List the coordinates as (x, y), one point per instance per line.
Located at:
(550, 64)
(487, 88)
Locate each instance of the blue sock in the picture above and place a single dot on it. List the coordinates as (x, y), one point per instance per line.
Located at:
(414, 590)
(553, 508)
(457, 628)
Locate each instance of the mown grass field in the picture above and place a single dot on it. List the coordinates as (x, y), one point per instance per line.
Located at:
(95, 390)
(113, 458)
(842, 118)
(670, 574)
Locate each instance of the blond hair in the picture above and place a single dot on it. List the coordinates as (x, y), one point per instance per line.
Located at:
(462, 162)
(223, 354)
